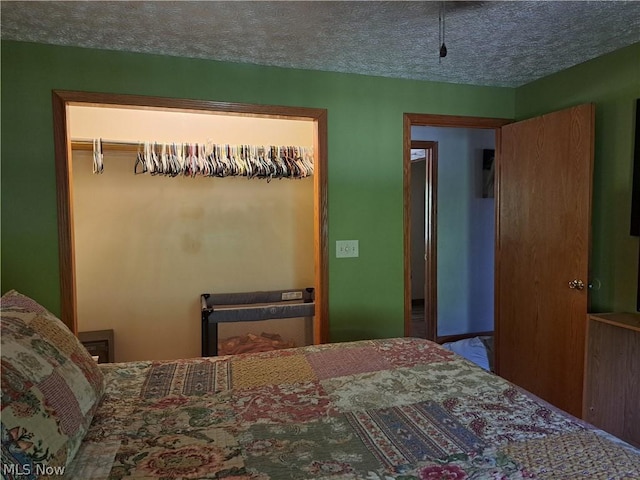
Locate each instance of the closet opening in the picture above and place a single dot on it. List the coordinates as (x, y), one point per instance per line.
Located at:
(138, 250)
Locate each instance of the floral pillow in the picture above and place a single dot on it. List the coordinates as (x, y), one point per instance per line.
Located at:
(51, 388)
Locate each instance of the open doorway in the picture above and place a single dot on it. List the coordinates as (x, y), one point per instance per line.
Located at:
(474, 135)
(423, 191)
(542, 164)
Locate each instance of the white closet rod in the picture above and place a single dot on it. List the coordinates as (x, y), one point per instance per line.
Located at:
(119, 145)
(192, 159)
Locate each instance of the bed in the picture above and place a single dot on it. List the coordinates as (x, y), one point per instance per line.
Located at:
(401, 408)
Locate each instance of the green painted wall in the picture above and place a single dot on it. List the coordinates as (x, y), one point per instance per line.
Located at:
(612, 82)
(365, 159)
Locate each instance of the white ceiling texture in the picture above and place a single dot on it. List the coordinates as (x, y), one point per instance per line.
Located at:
(497, 43)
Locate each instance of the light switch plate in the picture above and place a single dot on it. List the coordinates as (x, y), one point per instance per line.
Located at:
(346, 248)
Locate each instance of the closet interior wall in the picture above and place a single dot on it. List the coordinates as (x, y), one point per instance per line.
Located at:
(147, 246)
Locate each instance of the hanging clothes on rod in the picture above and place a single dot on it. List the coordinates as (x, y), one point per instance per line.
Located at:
(98, 157)
(209, 159)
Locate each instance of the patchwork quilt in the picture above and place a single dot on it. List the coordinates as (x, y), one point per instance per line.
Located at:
(373, 410)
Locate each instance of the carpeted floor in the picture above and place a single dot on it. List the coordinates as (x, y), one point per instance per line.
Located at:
(418, 326)
(419, 329)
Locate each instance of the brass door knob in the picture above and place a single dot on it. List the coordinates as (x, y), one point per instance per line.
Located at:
(576, 284)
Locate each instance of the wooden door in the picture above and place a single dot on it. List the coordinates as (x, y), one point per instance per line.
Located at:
(543, 207)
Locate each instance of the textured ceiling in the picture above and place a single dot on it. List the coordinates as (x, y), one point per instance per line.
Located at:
(506, 43)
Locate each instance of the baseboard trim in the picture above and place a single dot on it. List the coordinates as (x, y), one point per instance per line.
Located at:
(462, 336)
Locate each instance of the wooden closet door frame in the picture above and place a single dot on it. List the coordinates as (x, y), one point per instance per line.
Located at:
(64, 188)
(429, 120)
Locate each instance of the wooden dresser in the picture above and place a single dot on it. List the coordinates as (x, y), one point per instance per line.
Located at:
(612, 374)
